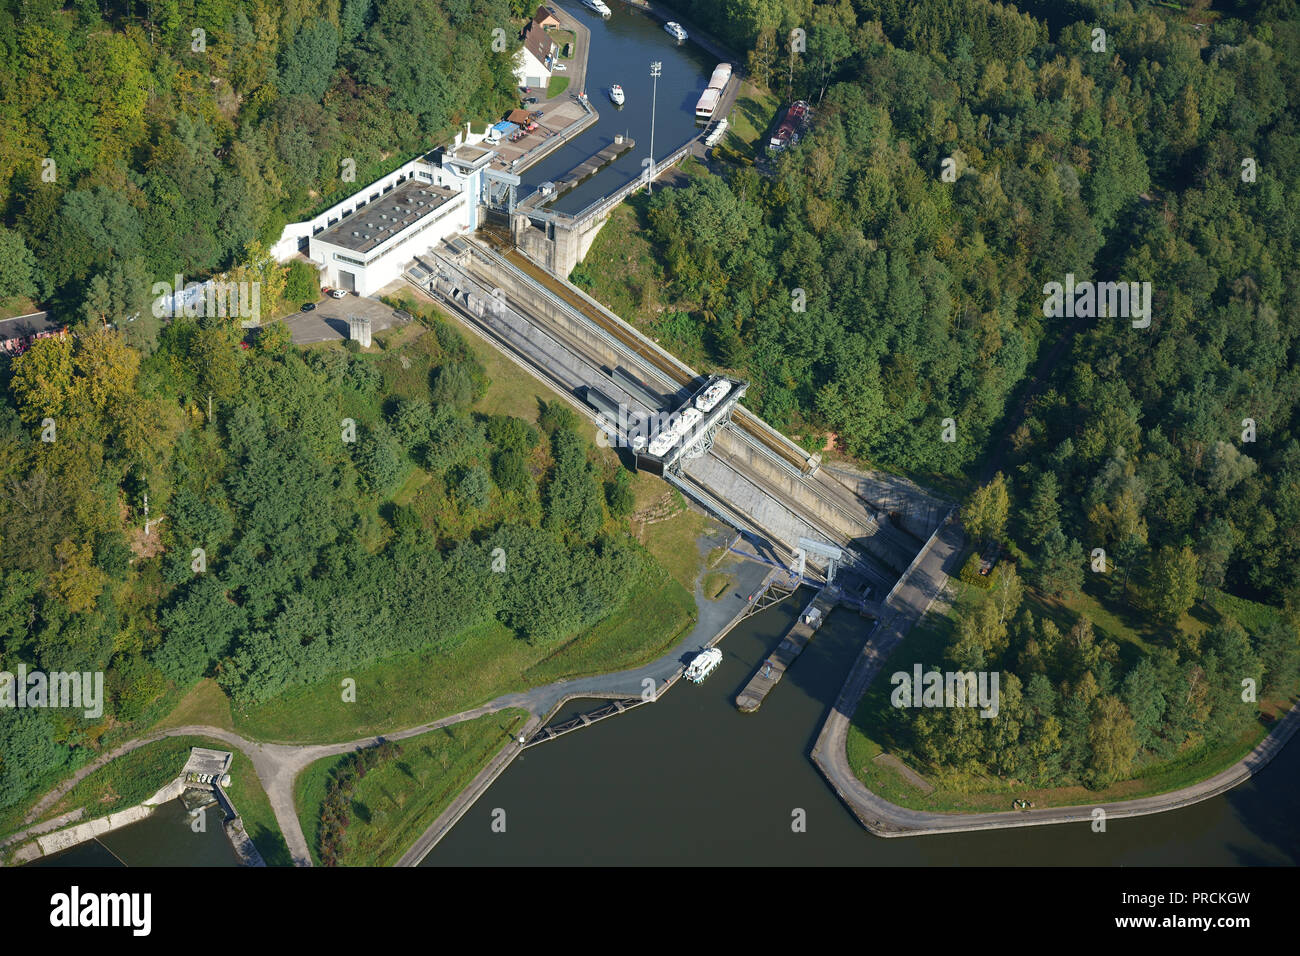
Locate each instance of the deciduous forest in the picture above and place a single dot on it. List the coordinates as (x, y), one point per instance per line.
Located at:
(870, 297)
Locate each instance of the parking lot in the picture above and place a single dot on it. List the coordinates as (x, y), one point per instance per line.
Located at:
(328, 322)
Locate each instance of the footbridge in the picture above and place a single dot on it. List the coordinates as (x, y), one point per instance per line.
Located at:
(742, 471)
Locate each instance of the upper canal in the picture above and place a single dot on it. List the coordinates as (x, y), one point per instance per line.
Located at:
(621, 51)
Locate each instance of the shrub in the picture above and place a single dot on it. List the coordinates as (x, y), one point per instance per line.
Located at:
(970, 572)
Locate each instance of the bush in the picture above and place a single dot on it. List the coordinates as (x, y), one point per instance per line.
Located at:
(556, 416)
(618, 495)
(510, 472)
(363, 376)
(512, 434)
(474, 488)
(970, 573)
(453, 384)
(301, 283)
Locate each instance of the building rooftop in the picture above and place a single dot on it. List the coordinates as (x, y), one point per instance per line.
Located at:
(467, 156)
(390, 214)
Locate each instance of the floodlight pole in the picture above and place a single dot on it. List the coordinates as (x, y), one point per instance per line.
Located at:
(656, 68)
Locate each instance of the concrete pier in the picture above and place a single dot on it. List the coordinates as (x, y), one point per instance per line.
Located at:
(771, 671)
(583, 171)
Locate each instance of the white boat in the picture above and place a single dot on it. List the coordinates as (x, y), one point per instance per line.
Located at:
(616, 94)
(597, 5)
(706, 104)
(704, 664)
(675, 30)
(662, 442)
(715, 137)
(716, 392)
(689, 419)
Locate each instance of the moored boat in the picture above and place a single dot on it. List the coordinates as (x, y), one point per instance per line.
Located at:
(616, 94)
(704, 664)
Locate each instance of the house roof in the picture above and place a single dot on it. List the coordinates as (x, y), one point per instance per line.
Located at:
(537, 42)
(545, 18)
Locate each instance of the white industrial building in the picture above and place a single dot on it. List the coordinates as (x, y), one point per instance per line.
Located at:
(364, 242)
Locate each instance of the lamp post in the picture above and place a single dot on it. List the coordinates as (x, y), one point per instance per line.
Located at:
(655, 69)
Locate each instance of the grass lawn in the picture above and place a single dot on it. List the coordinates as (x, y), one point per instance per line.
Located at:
(398, 800)
(753, 113)
(484, 663)
(134, 777)
(205, 704)
(557, 86)
(15, 306)
(714, 583)
(874, 728)
(565, 40)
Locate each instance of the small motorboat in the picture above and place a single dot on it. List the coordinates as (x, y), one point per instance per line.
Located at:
(616, 94)
(676, 30)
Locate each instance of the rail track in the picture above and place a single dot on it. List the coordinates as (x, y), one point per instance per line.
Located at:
(675, 374)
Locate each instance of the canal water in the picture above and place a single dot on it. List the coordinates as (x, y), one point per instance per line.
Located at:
(621, 51)
(164, 838)
(690, 780)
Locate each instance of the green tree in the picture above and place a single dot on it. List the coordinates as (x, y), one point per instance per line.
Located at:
(18, 268)
(1111, 741)
(985, 513)
(1044, 508)
(1172, 588)
(308, 61)
(1060, 566)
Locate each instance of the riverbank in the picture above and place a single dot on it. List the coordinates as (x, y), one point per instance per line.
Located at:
(113, 782)
(717, 617)
(399, 798)
(908, 603)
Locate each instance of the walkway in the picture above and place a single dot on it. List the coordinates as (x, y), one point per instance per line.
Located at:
(278, 765)
(907, 606)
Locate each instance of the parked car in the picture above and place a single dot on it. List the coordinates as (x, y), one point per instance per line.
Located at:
(560, 68)
(530, 99)
(337, 293)
(308, 306)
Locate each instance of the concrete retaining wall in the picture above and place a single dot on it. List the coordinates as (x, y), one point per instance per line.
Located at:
(63, 839)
